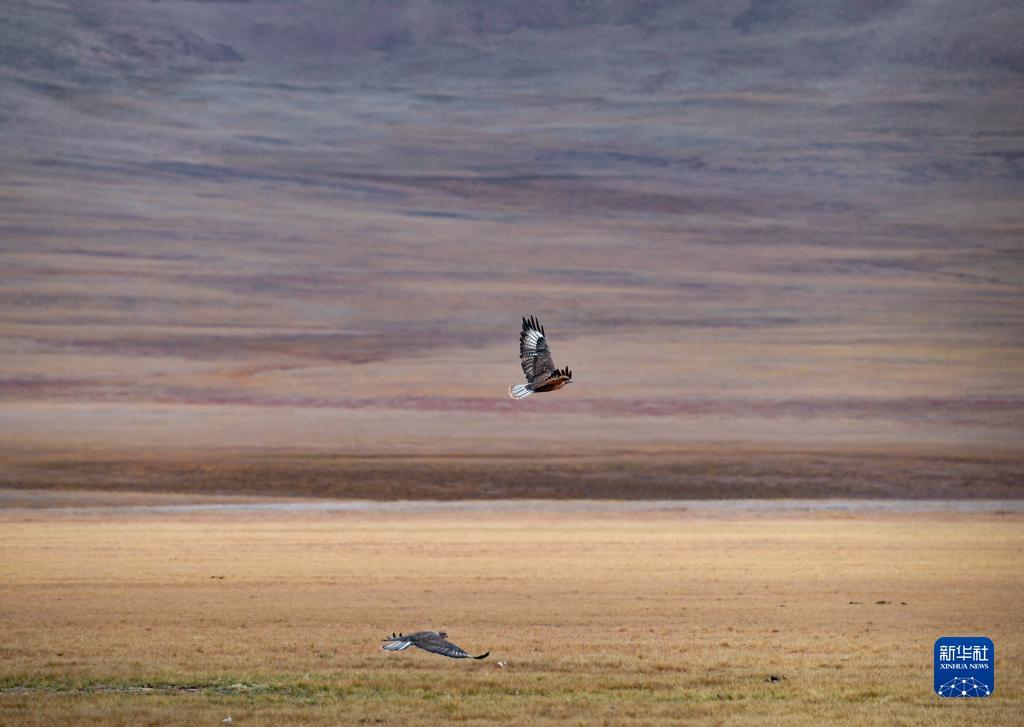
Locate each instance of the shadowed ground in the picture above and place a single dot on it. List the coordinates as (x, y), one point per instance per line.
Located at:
(697, 474)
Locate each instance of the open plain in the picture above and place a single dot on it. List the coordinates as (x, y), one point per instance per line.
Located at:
(258, 251)
(158, 614)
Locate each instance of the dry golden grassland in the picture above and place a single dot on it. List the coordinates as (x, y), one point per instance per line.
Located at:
(602, 616)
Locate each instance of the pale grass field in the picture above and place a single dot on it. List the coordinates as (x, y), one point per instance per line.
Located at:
(626, 617)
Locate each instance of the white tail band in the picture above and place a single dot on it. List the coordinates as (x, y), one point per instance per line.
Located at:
(519, 391)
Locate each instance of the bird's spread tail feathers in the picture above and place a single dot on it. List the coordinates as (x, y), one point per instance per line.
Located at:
(397, 645)
(519, 391)
(396, 642)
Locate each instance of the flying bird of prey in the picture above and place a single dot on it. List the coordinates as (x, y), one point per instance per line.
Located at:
(534, 354)
(435, 642)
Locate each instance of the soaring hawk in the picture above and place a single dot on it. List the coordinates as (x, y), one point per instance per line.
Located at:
(433, 641)
(541, 374)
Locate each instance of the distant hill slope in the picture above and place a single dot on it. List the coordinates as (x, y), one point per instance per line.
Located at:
(317, 224)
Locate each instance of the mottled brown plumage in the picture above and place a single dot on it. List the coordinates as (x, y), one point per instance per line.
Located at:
(436, 642)
(538, 366)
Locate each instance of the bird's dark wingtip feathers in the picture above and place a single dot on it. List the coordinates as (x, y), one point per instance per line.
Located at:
(483, 656)
(532, 324)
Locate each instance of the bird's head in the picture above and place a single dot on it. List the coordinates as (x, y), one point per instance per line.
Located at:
(443, 634)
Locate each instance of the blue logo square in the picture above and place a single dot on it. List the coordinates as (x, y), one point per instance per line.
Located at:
(965, 666)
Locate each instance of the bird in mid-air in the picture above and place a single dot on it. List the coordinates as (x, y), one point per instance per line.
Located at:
(435, 642)
(534, 354)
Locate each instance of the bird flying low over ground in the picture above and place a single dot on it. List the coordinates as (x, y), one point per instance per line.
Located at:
(539, 367)
(435, 642)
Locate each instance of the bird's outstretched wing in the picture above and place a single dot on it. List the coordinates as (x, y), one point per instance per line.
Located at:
(534, 352)
(435, 644)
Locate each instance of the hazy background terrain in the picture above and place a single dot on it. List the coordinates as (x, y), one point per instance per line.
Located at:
(286, 246)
